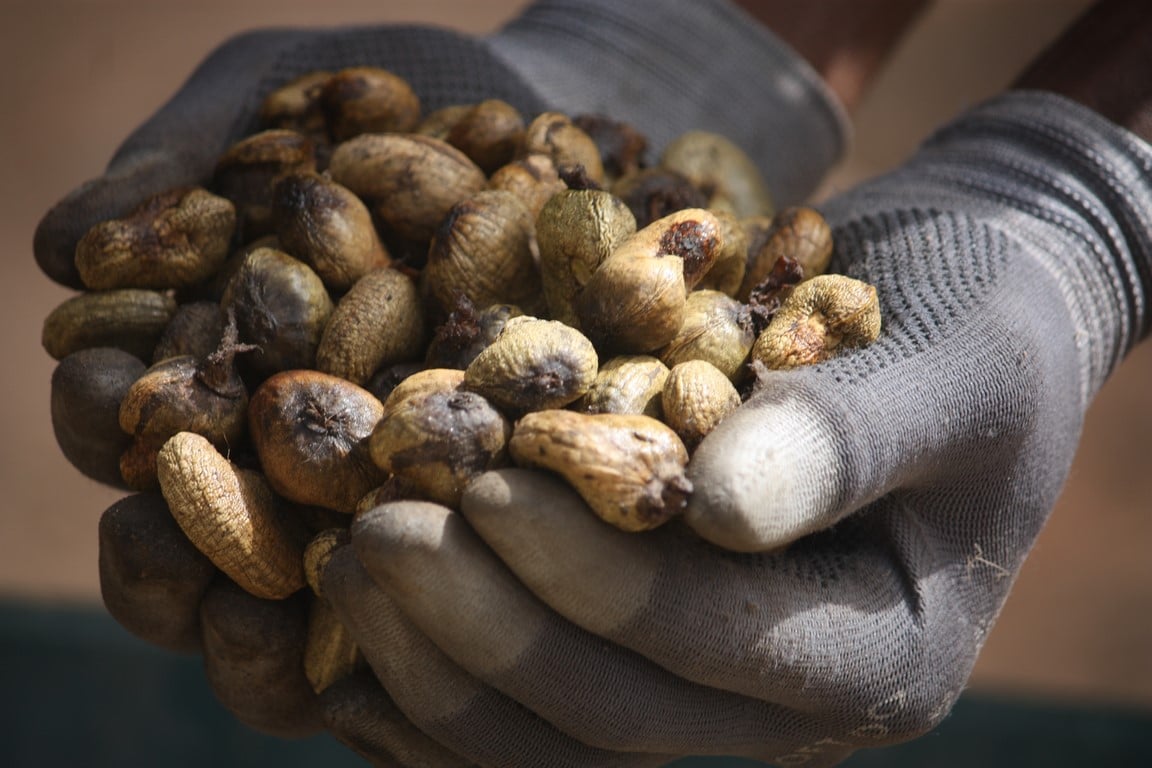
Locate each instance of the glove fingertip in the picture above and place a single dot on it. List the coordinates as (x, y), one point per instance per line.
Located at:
(766, 477)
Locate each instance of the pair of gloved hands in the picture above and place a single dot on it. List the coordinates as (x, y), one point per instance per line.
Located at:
(892, 493)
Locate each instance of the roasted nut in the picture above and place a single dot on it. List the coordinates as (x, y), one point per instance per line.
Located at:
(628, 468)
(384, 380)
(151, 577)
(295, 106)
(254, 659)
(717, 165)
(87, 389)
(696, 397)
(409, 181)
(820, 316)
(130, 319)
(533, 179)
(621, 146)
(379, 322)
(172, 240)
(459, 339)
(281, 306)
(311, 432)
(483, 250)
(554, 134)
(330, 653)
(533, 365)
(491, 133)
(244, 175)
(438, 436)
(327, 227)
(319, 552)
(231, 515)
(195, 329)
(634, 302)
(577, 230)
(360, 100)
(626, 384)
(437, 123)
(183, 394)
(798, 233)
(716, 328)
(727, 273)
(653, 193)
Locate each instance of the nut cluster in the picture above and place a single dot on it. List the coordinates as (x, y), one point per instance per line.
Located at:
(369, 303)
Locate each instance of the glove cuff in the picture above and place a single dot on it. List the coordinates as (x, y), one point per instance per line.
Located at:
(1071, 189)
(667, 66)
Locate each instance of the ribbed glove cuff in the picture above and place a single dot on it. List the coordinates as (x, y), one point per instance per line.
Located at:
(669, 65)
(1072, 189)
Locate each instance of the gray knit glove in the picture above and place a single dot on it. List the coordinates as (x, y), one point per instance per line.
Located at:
(894, 491)
(666, 66)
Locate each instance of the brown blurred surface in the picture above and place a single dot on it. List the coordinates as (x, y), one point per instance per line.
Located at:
(80, 75)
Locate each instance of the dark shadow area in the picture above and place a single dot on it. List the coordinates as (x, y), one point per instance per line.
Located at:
(79, 690)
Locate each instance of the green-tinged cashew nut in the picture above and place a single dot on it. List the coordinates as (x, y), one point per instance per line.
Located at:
(577, 230)
(410, 181)
(379, 322)
(628, 468)
(716, 164)
(819, 317)
(131, 319)
(231, 515)
(327, 227)
(716, 328)
(696, 397)
(438, 436)
(175, 239)
(310, 430)
(532, 365)
(626, 384)
(483, 251)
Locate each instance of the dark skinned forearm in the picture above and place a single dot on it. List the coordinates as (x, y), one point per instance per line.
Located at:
(846, 41)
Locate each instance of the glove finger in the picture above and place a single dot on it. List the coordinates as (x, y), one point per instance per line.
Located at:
(359, 712)
(152, 578)
(829, 629)
(445, 702)
(254, 659)
(813, 446)
(465, 601)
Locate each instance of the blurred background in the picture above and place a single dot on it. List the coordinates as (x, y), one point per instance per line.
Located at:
(80, 75)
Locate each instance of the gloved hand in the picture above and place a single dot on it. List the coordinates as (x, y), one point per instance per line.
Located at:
(884, 500)
(677, 79)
